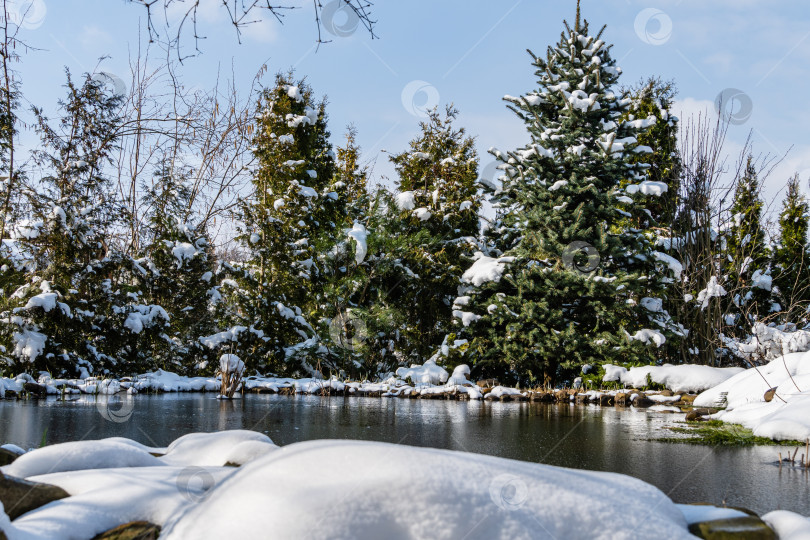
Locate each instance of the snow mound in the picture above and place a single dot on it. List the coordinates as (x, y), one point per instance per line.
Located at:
(460, 374)
(500, 391)
(788, 525)
(785, 417)
(78, 456)
(217, 449)
(410, 492)
(429, 373)
(750, 385)
(679, 379)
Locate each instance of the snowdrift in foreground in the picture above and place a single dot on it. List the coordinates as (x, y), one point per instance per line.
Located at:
(679, 379)
(785, 417)
(343, 489)
(407, 492)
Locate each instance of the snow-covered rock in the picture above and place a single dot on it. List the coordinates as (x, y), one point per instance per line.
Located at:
(411, 492)
(788, 525)
(460, 374)
(102, 499)
(80, 455)
(216, 449)
(500, 391)
(428, 373)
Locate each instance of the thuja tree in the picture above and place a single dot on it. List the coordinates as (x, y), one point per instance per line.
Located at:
(178, 271)
(792, 272)
(290, 209)
(340, 305)
(79, 311)
(566, 282)
(745, 265)
(435, 220)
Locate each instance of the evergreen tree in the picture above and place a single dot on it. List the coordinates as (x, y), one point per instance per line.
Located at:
(79, 295)
(746, 275)
(792, 274)
(654, 98)
(178, 271)
(290, 210)
(436, 223)
(565, 282)
(14, 262)
(341, 303)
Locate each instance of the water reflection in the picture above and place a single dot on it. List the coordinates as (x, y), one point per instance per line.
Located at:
(589, 437)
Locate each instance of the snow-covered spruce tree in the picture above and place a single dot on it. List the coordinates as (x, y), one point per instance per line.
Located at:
(178, 272)
(71, 314)
(746, 257)
(791, 259)
(291, 207)
(566, 282)
(435, 222)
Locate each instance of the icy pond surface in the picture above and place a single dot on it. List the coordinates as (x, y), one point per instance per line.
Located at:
(585, 437)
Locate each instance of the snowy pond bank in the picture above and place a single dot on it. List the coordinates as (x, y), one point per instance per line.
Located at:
(240, 484)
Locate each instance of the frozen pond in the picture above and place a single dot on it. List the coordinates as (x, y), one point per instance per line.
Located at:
(586, 437)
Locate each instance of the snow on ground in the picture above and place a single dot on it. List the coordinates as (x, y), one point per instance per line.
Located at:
(408, 492)
(785, 417)
(115, 481)
(681, 378)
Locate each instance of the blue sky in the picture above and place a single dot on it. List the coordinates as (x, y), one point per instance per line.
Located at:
(471, 53)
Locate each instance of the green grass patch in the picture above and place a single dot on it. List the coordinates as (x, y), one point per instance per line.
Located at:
(718, 433)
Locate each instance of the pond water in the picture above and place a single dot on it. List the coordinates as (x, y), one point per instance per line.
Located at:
(583, 437)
